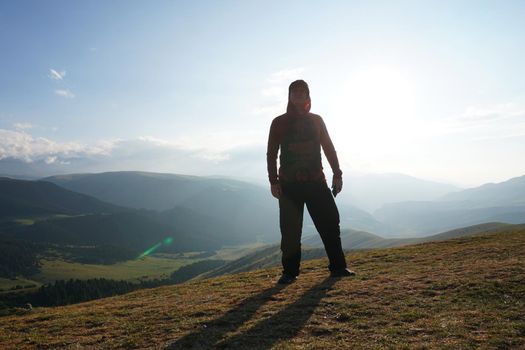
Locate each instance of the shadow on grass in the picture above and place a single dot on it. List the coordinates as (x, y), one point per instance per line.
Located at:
(285, 324)
(230, 321)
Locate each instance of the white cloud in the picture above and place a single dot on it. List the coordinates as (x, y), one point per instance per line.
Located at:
(21, 145)
(59, 75)
(207, 148)
(56, 75)
(51, 160)
(64, 93)
(23, 126)
(275, 92)
(189, 156)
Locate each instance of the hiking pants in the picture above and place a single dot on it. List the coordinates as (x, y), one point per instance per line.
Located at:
(323, 211)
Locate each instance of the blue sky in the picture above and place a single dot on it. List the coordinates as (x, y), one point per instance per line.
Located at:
(433, 89)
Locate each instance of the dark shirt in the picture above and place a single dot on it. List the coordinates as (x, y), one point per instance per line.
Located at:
(300, 138)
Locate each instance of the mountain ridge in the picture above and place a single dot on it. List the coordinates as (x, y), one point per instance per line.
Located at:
(27, 197)
(503, 201)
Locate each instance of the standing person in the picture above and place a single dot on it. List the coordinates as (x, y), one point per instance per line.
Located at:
(300, 180)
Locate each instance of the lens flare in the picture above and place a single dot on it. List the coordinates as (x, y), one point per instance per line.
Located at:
(166, 241)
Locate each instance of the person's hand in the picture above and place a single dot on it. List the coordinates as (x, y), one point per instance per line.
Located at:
(276, 190)
(337, 184)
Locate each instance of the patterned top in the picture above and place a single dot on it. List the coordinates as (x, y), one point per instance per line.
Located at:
(300, 138)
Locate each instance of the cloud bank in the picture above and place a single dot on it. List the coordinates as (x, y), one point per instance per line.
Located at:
(142, 153)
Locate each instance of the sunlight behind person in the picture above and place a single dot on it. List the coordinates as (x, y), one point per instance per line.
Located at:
(376, 113)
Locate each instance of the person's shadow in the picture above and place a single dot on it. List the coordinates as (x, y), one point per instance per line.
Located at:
(285, 324)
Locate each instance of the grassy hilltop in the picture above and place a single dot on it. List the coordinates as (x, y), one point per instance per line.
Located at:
(463, 293)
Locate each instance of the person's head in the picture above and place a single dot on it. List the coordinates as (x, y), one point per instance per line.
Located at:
(299, 97)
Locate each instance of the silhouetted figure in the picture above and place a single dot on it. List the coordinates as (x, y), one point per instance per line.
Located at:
(300, 180)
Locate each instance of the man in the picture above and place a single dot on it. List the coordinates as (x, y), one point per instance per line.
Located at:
(300, 180)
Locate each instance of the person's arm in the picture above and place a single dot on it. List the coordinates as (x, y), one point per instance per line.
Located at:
(329, 151)
(271, 154)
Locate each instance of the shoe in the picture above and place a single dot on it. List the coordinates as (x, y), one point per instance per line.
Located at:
(342, 273)
(286, 279)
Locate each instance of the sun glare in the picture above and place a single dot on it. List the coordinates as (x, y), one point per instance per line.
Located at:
(376, 109)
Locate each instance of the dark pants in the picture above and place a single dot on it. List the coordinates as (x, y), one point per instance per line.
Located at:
(321, 206)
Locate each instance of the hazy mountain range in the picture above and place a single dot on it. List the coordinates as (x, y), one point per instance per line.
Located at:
(21, 198)
(140, 209)
(250, 207)
(503, 202)
(44, 212)
(369, 192)
(247, 209)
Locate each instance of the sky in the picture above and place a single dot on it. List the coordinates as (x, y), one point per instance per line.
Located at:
(431, 89)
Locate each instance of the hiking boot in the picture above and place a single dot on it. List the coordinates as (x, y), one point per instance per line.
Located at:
(342, 273)
(286, 279)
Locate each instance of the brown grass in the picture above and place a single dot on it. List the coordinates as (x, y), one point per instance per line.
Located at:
(466, 293)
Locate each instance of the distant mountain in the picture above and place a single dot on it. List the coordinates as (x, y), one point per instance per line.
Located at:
(20, 198)
(162, 191)
(367, 191)
(493, 227)
(371, 191)
(504, 202)
(424, 218)
(244, 212)
(352, 217)
(249, 209)
(19, 176)
(17, 168)
(137, 230)
(203, 226)
(86, 220)
(184, 229)
(156, 191)
(507, 193)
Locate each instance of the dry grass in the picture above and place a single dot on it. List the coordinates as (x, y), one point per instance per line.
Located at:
(466, 293)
